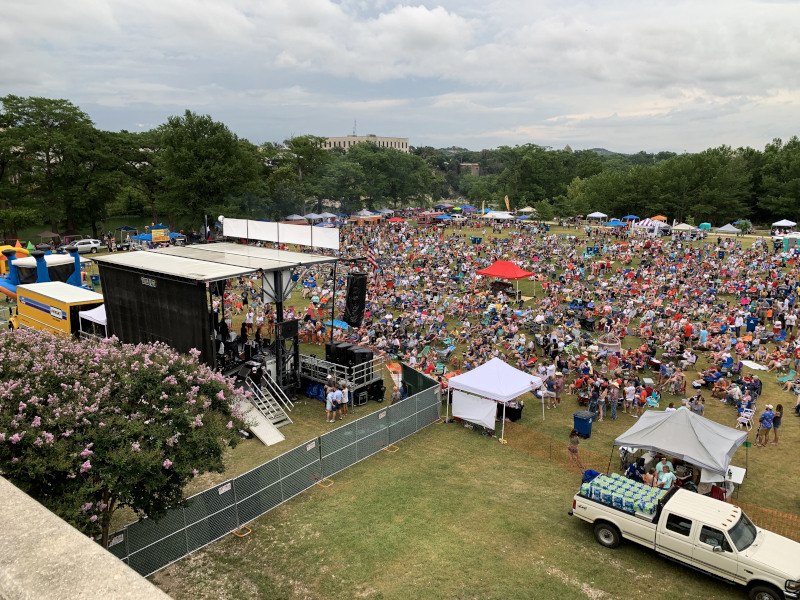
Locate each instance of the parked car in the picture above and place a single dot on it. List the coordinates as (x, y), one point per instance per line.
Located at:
(703, 533)
(84, 246)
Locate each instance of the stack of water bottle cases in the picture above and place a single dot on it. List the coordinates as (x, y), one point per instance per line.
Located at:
(624, 494)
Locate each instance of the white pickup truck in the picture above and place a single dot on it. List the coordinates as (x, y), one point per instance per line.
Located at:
(706, 534)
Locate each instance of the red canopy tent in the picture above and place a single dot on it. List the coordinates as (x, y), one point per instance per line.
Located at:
(504, 270)
(396, 220)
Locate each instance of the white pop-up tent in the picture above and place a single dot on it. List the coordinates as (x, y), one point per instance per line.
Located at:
(685, 435)
(475, 394)
(784, 223)
(596, 215)
(96, 315)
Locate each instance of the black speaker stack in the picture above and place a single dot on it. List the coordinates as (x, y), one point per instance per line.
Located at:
(352, 357)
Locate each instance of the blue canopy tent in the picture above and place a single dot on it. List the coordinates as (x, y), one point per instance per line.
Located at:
(467, 208)
(630, 218)
(338, 323)
(615, 223)
(522, 217)
(443, 217)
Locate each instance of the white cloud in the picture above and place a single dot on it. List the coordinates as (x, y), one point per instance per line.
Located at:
(618, 73)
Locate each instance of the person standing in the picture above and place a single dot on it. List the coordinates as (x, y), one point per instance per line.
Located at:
(666, 478)
(629, 398)
(345, 400)
(613, 398)
(572, 449)
(776, 423)
(765, 421)
(329, 406)
(338, 398)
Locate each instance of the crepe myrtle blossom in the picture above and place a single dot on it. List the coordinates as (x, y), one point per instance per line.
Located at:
(103, 417)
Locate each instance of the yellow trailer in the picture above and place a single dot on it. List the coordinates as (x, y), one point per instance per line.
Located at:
(53, 306)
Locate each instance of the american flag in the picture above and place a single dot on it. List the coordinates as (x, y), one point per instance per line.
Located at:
(371, 260)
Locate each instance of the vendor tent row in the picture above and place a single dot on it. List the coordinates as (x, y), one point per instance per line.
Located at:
(682, 434)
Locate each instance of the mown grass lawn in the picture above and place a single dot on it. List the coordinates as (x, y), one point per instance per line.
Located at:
(451, 515)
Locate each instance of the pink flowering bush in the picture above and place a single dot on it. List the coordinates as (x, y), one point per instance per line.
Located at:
(88, 427)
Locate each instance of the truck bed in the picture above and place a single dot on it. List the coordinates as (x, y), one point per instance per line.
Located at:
(637, 527)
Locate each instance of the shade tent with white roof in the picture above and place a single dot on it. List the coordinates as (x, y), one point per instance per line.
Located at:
(476, 393)
(784, 223)
(728, 229)
(683, 227)
(685, 435)
(96, 315)
(499, 215)
(597, 215)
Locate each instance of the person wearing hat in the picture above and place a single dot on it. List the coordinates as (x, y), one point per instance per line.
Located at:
(765, 421)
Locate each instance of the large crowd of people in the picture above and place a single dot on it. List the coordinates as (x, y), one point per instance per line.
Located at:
(666, 300)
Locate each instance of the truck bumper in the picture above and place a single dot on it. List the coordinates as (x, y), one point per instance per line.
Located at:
(569, 512)
(792, 595)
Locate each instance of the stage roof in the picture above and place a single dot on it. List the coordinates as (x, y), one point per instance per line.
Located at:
(212, 262)
(266, 259)
(174, 266)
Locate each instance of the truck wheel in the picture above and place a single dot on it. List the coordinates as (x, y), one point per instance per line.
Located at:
(607, 535)
(764, 592)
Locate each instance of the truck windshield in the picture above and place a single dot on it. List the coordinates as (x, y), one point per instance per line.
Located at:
(743, 534)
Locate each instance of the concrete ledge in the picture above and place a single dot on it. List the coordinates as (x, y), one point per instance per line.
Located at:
(43, 558)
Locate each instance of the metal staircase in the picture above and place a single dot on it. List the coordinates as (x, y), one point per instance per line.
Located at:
(270, 401)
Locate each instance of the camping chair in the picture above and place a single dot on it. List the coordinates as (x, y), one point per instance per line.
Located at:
(727, 366)
(788, 377)
(653, 399)
(780, 337)
(745, 419)
(441, 368)
(425, 351)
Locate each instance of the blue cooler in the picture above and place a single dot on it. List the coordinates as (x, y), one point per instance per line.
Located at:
(583, 423)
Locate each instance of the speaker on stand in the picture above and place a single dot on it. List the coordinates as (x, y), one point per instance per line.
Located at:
(356, 299)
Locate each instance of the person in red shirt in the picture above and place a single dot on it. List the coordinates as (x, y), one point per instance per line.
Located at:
(687, 334)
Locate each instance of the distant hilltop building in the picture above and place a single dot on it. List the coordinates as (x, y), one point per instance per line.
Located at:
(349, 141)
(470, 169)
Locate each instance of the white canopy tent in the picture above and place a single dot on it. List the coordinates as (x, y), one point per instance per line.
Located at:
(784, 223)
(728, 229)
(96, 315)
(683, 227)
(685, 435)
(482, 388)
(499, 215)
(597, 215)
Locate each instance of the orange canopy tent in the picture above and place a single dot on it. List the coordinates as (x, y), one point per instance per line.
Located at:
(658, 218)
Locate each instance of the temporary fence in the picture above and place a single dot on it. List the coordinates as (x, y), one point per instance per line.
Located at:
(148, 545)
(555, 451)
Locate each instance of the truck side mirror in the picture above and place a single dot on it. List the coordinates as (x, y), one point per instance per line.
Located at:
(717, 548)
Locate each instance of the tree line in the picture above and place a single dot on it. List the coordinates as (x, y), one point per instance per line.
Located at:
(57, 168)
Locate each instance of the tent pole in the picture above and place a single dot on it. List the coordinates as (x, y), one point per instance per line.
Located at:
(503, 433)
(610, 457)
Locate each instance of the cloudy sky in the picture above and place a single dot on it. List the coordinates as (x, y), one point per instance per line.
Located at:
(623, 75)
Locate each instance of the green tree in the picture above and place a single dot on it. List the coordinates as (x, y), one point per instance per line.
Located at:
(107, 425)
(779, 192)
(203, 165)
(48, 145)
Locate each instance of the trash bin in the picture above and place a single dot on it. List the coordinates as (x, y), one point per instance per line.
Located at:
(95, 281)
(583, 423)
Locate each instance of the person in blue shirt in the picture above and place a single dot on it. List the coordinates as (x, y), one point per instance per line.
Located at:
(765, 421)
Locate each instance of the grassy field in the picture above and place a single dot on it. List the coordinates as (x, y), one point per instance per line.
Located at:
(451, 515)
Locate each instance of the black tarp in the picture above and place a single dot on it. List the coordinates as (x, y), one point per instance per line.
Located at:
(146, 307)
